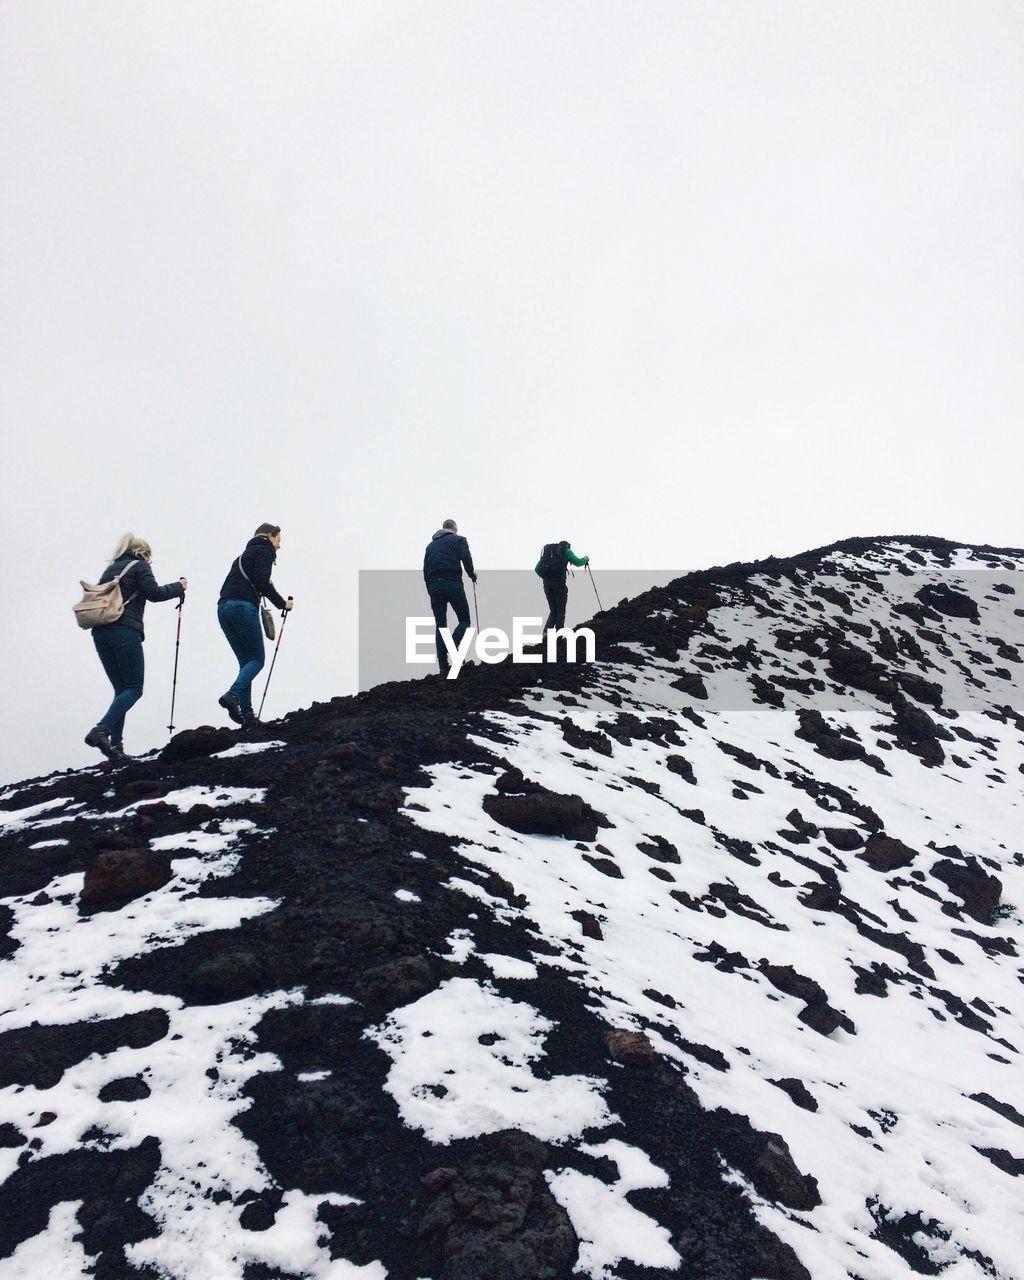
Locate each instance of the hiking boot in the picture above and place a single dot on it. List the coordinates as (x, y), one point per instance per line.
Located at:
(99, 738)
(230, 704)
(250, 720)
(118, 755)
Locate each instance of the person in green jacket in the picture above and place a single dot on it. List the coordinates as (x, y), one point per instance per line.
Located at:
(552, 568)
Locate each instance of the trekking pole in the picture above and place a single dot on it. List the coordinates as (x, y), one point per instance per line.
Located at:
(476, 607)
(600, 606)
(177, 648)
(280, 634)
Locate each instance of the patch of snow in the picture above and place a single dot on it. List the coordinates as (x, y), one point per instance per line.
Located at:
(462, 946)
(450, 1085)
(188, 797)
(508, 966)
(610, 1229)
(54, 1252)
(247, 749)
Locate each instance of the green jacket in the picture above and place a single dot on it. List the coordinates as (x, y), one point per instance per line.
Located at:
(571, 558)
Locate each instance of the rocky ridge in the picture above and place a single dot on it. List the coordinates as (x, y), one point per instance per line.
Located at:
(700, 960)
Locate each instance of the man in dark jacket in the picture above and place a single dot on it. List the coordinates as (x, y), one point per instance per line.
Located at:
(238, 612)
(552, 568)
(446, 555)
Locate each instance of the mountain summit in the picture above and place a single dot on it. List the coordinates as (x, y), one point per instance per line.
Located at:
(701, 960)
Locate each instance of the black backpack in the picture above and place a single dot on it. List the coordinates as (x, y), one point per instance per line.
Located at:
(553, 559)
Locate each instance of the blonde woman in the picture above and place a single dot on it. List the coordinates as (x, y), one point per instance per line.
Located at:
(119, 644)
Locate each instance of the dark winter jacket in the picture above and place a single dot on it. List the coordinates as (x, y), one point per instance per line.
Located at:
(570, 558)
(137, 586)
(446, 554)
(258, 562)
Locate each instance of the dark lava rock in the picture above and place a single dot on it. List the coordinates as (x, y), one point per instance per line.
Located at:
(692, 684)
(824, 1019)
(798, 1092)
(886, 853)
(11, 1136)
(398, 982)
(1013, 1165)
(544, 813)
(943, 599)
(605, 866)
(829, 742)
(586, 739)
(108, 1182)
(494, 1218)
(120, 876)
(194, 743)
(799, 823)
(260, 1213)
(676, 763)
(785, 978)
(127, 1089)
(39, 1055)
(589, 924)
(844, 838)
(916, 731)
(143, 789)
(660, 849)
(979, 890)
(8, 945)
(631, 1048)
(1003, 1109)
(856, 668)
(768, 1163)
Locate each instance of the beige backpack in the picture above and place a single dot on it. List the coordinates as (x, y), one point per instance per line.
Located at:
(100, 605)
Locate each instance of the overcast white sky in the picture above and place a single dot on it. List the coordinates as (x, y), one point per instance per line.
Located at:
(683, 282)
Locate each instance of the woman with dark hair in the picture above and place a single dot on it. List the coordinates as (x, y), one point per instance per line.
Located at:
(238, 612)
(119, 644)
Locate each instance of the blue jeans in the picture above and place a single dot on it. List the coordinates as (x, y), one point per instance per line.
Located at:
(240, 622)
(445, 592)
(120, 649)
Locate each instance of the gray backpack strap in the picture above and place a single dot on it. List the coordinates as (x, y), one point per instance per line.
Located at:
(246, 576)
(118, 576)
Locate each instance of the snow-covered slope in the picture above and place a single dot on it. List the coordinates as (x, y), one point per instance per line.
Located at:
(702, 960)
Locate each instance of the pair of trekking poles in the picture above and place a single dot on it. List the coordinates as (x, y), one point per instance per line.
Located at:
(476, 607)
(177, 651)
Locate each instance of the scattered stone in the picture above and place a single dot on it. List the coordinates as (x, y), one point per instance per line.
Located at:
(798, 1092)
(586, 739)
(691, 684)
(589, 924)
(1013, 1165)
(120, 876)
(845, 839)
(39, 1055)
(659, 849)
(631, 1048)
(886, 853)
(678, 764)
(195, 743)
(128, 1089)
(768, 1163)
(493, 1217)
(978, 889)
(1003, 1109)
(545, 813)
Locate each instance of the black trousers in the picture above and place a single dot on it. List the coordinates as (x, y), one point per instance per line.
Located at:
(444, 592)
(556, 590)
